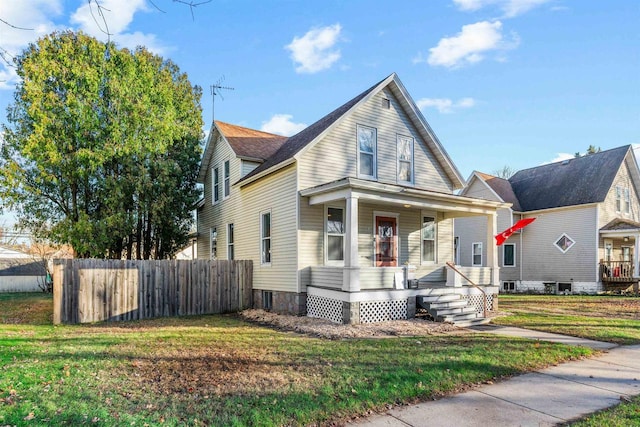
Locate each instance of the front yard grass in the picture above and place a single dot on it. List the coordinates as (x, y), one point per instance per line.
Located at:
(219, 370)
(613, 319)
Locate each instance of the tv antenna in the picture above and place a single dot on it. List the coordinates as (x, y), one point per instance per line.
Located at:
(215, 90)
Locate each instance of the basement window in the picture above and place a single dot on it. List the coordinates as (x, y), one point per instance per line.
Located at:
(267, 300)
(564, 288)
(509, 286)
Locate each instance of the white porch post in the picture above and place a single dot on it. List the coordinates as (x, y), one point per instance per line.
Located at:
(492, 249)
(351, 272)
(636, 257)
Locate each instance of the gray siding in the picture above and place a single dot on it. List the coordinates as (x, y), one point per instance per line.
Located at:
(334, 157)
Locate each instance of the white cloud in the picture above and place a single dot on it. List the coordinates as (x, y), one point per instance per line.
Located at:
(281, 124)
(509, 8)
(315, 50)
(445, 105)
(469, 45)
(118, 15)
(560, 157)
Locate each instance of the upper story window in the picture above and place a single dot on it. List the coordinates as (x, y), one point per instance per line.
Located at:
(265, 238)
(623, 199)
(367, 147)
(227, 179)
(405, 159)
(216, 185)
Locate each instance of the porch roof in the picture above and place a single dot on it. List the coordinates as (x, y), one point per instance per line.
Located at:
(620, 227)
(400, 195)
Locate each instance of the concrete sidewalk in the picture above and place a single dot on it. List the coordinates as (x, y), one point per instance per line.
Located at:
(544, 398)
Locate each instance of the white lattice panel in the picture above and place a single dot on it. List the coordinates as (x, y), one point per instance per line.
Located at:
(380, 311)
(477, 301)
(324, 308)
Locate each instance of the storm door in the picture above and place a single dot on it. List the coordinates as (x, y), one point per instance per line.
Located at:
(386, 250)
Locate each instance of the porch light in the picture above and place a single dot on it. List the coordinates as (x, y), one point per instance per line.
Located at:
(407, 206)
(625, 238)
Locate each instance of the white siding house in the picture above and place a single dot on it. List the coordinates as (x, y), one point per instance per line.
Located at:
(339, 218)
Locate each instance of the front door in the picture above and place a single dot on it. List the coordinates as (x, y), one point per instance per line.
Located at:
(386, 242)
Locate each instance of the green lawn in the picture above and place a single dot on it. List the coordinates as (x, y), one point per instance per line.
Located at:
(219, 370)
(623, 415)
(613, 319)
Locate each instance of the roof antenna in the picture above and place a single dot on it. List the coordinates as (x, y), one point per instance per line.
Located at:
(215, 90)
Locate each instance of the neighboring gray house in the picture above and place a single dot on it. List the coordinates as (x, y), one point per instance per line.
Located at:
(587, 230)
(20, 272)
(341, 217)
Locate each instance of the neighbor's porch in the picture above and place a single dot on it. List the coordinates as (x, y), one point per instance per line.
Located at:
(388, 243)
(619, 255)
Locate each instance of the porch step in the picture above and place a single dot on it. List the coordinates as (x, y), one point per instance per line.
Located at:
(451, 307)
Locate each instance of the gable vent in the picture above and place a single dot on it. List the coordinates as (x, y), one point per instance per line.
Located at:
(386, 104)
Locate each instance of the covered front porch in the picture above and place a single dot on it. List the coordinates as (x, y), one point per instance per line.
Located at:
(619, 255)
(387, 245)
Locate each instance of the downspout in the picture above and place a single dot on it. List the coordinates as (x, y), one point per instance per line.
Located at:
(521, 253)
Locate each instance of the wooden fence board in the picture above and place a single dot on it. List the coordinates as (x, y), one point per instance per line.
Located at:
(88, 290)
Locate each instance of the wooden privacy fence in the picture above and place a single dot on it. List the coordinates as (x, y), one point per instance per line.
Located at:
(91, 290)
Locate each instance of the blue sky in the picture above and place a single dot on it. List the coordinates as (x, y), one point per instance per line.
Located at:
(501, 82)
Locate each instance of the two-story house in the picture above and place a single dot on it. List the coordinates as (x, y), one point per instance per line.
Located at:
(340, 218)
(587, 229)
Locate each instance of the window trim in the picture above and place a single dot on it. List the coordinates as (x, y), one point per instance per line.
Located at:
(226, 186)
(264, 263)
(433, 215)
(564, 251)
(411, 162)
(327, 261)
(629, 248)
(215, 178)
(473, 264)
(213, 231)
(374, 154)
(504, 261)
(231, 242)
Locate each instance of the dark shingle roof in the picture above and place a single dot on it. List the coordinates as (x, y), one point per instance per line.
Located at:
(253, 143)
(297, 142)
(571, 182)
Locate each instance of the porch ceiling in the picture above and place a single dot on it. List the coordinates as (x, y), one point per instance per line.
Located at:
(455, 206)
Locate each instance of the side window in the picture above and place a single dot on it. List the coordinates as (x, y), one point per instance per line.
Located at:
(428, 239)
(509, 255)
(265, 238)
(227, 180)
(213, 241)
(216, 185)
(476, 253)
(335, 234)
(367, 147)
(230, 237)
(405, 159)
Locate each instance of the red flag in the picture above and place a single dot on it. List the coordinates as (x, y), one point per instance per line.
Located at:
(500, 238)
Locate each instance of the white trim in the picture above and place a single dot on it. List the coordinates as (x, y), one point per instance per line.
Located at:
(473, 264)
(231, 244)
(564, 251)
(433, 215)
(514, 255)
(225, 179)
(262, 238)
(375, 231)
(412, 161)
(374, 165)
(213, 186)
(327, 261)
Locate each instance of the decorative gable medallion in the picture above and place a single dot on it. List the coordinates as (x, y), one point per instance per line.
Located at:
(564, 243)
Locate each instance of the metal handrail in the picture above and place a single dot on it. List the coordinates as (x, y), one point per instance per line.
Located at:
(486, 300)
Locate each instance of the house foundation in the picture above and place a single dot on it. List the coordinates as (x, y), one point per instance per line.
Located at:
(280, 302)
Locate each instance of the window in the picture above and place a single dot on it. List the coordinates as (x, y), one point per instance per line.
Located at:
(564, 288)
(509, 255)
(476, 254)
(213, 242)
(509, 286)
(367, 142)
(227, 180)
(618, 199)
(405, 159)
(230, 252)
(216, 185)
(265, 238)
(626, 253)
(623, 200)
(335, 234)
(564, 243)
(428, 239)
(267, 300)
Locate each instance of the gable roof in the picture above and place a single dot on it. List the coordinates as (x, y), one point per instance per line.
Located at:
(502, 188)
(250, 143)
(620, 224)
(578, 181)
(308, 136)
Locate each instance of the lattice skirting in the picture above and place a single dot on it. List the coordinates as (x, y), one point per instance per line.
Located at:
(324, 308)
(380, 311)
(477, 301)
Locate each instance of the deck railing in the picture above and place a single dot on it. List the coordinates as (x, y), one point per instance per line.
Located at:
(616, 271)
